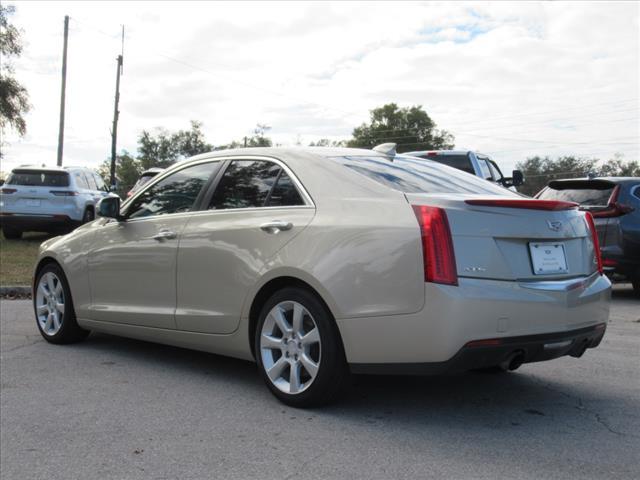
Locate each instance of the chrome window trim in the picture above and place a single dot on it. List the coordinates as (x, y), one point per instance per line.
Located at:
(306, 198)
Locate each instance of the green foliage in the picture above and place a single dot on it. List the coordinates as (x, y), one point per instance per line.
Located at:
(410, 128)
(539, 171)
(14, 100)
(325, 142)
(128, 169)
(162, 148)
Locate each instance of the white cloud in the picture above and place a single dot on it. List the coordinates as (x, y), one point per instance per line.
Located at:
(506, 78)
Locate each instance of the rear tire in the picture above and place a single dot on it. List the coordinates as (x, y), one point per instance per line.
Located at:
(300, 373)
(53, 307)
(11, 233)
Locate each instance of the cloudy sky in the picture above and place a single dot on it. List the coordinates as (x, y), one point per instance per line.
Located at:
(512, 80)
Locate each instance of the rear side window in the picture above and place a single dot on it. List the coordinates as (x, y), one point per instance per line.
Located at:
(38, 178)
(588, 193)
(460, 162)
(253, 184)
(411, 175)
(81, 182)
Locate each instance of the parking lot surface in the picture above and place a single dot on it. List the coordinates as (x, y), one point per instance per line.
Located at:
(124, 409)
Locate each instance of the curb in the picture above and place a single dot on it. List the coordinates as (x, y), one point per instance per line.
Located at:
(15, 292)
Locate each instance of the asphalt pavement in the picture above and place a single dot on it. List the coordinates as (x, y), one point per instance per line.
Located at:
(113, 408)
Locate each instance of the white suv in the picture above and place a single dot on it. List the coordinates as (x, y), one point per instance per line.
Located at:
(48, 199)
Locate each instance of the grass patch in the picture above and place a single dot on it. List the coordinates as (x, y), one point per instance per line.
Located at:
(17, 258)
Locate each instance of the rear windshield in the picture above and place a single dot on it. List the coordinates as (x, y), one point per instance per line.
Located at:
(593, 193)
(38, 178)
(461, 162)
(411, 175)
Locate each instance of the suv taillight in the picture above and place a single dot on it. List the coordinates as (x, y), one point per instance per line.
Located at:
(614, 209)
(8, 190)
(596, 243)
(437, 245)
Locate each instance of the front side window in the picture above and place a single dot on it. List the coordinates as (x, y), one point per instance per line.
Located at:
(99, 181)
(253, 184)
(484, 169)
(174, 194)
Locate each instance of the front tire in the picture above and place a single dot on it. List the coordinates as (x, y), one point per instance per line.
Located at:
(53, 306)
(298, 349)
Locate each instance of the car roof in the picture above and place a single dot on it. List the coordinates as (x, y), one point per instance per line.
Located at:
(284, 153)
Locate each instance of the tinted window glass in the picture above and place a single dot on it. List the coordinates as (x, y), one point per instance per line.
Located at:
(461, 162)
(38, 178)
(81, 182)
(245, 184)
(412, 175)
(584, 195)
(484, 169)
(91, 181)
(284, 193)
(495, 170)
(99, 181)
(173, 194)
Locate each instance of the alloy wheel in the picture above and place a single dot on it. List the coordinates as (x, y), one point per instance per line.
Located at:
(50, 303)
(290, 347)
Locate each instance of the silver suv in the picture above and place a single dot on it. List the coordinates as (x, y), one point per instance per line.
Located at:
(48, 199)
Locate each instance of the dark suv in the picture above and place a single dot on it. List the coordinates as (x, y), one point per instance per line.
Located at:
(614, 203)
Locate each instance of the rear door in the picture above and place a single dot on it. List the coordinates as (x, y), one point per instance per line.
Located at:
(256, 207)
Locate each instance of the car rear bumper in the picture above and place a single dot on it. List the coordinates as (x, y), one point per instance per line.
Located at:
(37, 222)
(492, 352)
(479, 309)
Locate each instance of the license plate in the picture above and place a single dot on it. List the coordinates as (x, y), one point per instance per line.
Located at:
(33, 202)
(548, 258)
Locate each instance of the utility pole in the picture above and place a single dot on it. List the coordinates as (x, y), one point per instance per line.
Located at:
(116, 113)
(64, 88)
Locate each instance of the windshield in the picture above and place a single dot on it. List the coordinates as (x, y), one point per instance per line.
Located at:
(411, 175)
(38, 178)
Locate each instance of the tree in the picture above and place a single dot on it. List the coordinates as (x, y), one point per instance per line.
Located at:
(539, 171)
(325, 142)
(162, 148)
(128, 169)
(410, 127)
(14, 100)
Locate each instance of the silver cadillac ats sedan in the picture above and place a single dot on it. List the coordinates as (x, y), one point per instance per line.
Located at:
(317, 262)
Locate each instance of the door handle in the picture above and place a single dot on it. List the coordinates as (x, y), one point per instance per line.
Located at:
(276, 226)
(164, 235)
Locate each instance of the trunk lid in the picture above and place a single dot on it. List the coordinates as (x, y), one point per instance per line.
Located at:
(31, 191)
(504, 243)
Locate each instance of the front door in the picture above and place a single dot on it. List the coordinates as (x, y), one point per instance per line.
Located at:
(132, 265)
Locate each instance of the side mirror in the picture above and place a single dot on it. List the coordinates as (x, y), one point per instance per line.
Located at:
(109, 207)
(517, 178)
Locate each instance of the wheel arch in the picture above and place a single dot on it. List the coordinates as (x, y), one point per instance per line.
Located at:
(272, 285)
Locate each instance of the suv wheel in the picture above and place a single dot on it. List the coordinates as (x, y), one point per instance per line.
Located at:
(11, 233)
(53, 305)
(88, 216)
(298, 349)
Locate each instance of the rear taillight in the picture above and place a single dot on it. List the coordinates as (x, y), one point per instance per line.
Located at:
(553, 205)
(614, 209)
(8, 190)
(63, 193)
(432, 154)
(437, 245)
(596, 243)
